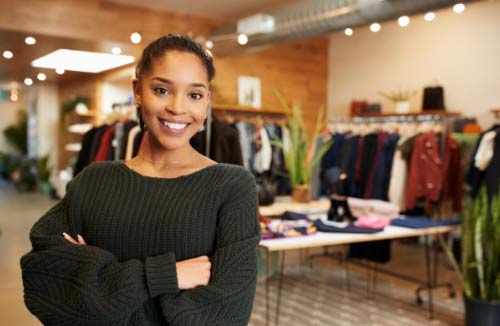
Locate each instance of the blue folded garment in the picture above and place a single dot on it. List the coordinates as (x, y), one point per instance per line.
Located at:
(292, 216)
(421, 222)
(351, 228)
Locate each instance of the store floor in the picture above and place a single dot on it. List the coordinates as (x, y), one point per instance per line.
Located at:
(317, 297)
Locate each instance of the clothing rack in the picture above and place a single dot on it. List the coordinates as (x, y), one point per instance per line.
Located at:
(445, 118)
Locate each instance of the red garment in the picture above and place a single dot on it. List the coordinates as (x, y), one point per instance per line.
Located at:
(428, 177)
(104, 147)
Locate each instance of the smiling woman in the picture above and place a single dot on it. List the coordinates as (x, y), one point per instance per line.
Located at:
(167, 238)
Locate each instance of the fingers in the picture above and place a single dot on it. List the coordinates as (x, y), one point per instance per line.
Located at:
(80, 241)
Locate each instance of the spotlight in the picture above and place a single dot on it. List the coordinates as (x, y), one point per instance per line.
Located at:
(242, 39)
(348, 31)
(375, 27)
(135, 38)
(430, 16)
(404, 21)
(459, 8)
(30, 40)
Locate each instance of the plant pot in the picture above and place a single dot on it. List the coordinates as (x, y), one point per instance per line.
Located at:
(45, 187)
(301, 193)
(481, 313)
(403, 107)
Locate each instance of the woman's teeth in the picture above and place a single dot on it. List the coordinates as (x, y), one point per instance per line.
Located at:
(176, 126)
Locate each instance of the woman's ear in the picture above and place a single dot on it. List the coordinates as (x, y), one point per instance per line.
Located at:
(136, 85)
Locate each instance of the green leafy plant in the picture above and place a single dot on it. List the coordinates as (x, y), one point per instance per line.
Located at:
(399, 95)
(17, 134)
(480, 268)
(302, 156)
(43, 168)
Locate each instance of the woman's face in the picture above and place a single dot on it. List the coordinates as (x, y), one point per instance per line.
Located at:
(174, 95)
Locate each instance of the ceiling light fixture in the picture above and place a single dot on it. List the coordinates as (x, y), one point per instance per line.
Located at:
(459, 8)
(209, 44)
(8, 54)
(348, 31)
(116, 50)
(242, 39)
(375, 27)
(404, 21)
(135, 38)
(60, 71)
(28, 81)
(82, 61)
(430, 16)
(41, 76)
(30, 40)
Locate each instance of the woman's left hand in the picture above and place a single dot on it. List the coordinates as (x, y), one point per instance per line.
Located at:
(79, 240)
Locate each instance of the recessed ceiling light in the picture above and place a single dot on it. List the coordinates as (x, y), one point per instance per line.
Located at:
(404, 21)
(348, 31)
(60, 71)
(242, 39)
(375, 27)
(8, 54)
(116, 50)
(430, 16)
(41, 76)
(135, 38)
(209, 44)
(459, 8)
(30, 40)
(82, 61)
(28, 81)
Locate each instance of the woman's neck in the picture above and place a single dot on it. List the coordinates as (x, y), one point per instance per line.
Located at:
(155, 154)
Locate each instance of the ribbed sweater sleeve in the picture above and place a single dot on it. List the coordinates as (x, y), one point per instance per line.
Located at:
(67, 284)
(228, 298)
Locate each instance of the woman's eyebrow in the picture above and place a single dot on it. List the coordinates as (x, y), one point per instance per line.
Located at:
(168, 81)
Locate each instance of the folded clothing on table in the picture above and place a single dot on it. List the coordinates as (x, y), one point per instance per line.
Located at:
(421, 222)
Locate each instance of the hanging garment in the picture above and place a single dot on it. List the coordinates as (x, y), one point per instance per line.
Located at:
(130, 141)
(263, 156)
(84, 155)
(245, 142)
(382, 176)
(105, 146)
(399, 174)
(484, 153)
(369, 152)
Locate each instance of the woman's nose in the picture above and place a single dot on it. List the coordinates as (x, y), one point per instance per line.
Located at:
(176, 105)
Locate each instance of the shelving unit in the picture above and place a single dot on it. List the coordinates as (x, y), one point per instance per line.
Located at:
(410, 114)
(246, 109)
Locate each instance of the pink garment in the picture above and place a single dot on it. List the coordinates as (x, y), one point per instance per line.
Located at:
(372, 207)
(372, 222)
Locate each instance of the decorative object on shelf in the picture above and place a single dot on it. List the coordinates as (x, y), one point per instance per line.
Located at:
(303, 155)
(249, 93)
(400, 98)
(480, 268)
(433, 98)
(71, 105)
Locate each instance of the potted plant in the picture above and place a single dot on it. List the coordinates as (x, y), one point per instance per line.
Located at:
(480, 266)
(400, 98)
(302, 155)
(44, 170)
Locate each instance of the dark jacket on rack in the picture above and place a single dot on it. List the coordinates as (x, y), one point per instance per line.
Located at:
(476, 178)
(224, 143)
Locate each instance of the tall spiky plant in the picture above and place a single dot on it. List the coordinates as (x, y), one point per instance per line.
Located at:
(302, 156)
(480, 270)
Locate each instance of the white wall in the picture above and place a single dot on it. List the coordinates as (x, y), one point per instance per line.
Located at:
(47, 122)
(460, 51)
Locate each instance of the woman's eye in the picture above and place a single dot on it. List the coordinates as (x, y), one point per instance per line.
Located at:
(196, 96)
(161, 90)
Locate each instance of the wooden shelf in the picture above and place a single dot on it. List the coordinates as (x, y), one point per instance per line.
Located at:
(90, 114)
(411, 114)
(245, 109)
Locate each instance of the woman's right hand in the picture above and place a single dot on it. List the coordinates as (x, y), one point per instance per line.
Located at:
(193, 272)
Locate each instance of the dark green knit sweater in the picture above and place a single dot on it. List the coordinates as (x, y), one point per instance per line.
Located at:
(136, 228)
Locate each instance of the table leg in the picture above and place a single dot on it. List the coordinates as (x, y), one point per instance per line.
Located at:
(429, 276)
(280, 286)
(268, 276)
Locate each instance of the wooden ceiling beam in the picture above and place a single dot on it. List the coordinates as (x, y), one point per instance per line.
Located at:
(97, 20)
